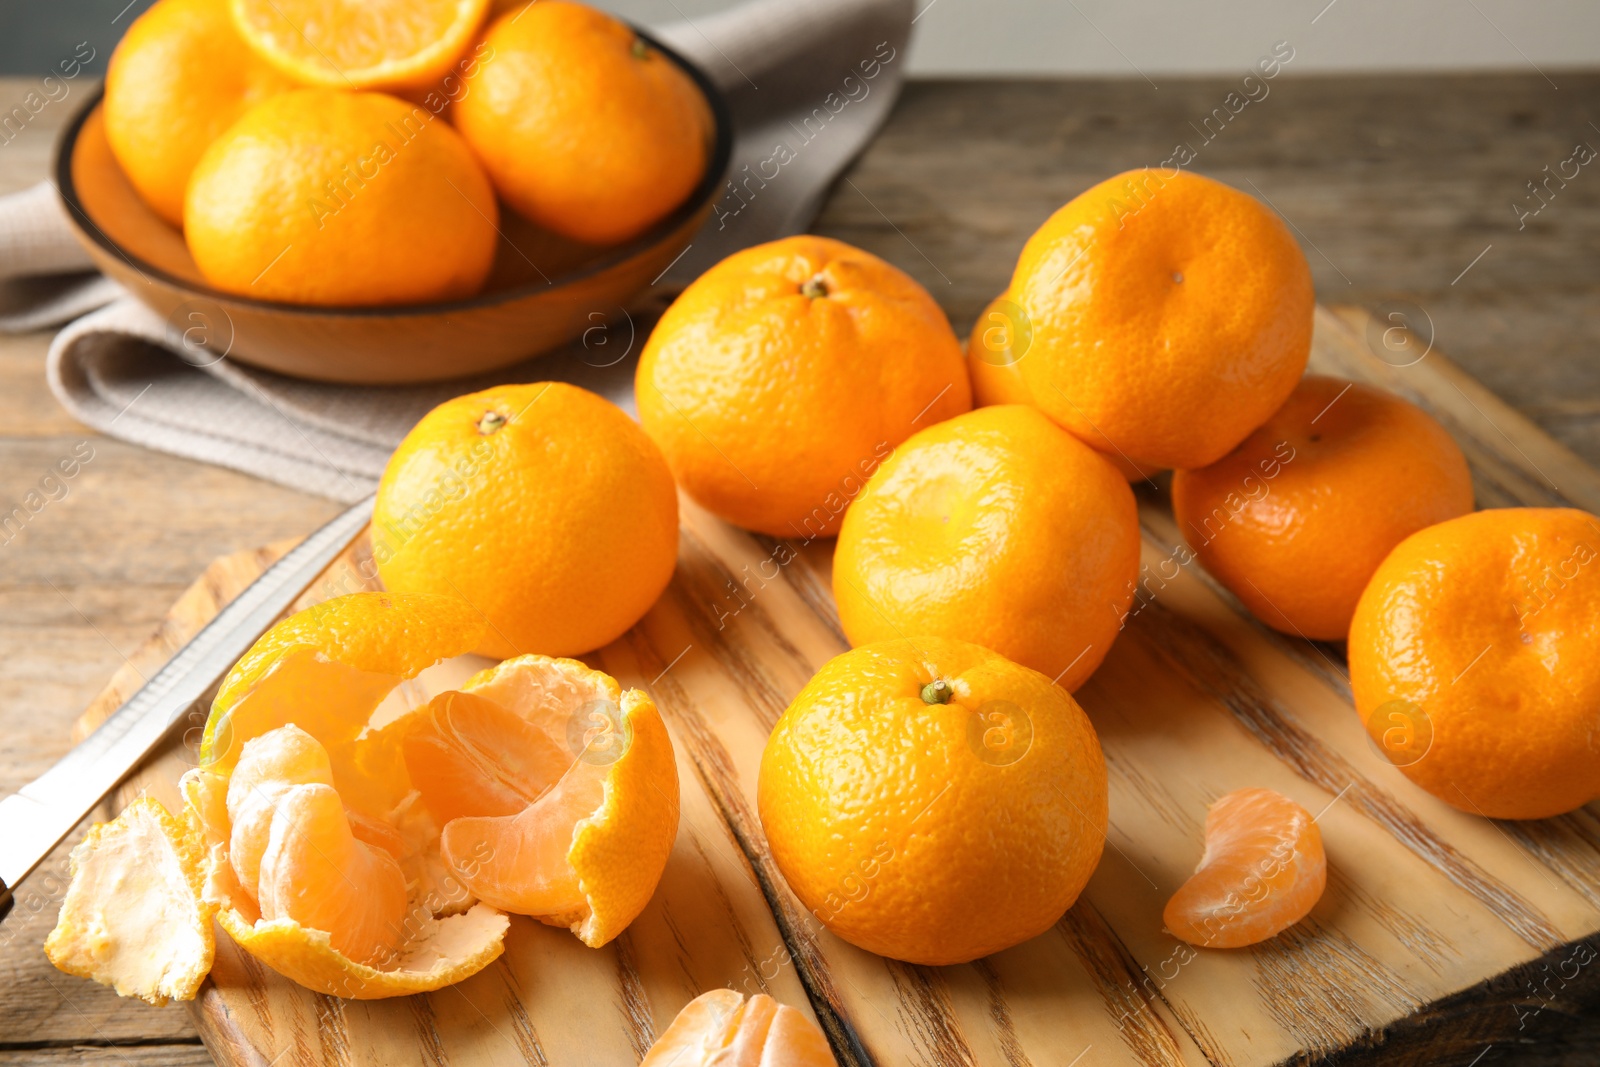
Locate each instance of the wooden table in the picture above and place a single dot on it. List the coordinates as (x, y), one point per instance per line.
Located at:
(1402, 191)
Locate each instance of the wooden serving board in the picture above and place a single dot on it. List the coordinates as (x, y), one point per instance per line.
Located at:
(1441, 934)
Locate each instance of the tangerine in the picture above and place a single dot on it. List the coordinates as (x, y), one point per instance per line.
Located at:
(782, 376)
(996, 527)
(1297, 518)
(931, 801)
(1171, 315)
(1479, 634)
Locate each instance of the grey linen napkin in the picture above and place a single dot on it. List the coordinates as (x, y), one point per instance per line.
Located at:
(808, 84)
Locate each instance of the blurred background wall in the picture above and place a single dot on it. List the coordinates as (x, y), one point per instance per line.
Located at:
(1091, 37)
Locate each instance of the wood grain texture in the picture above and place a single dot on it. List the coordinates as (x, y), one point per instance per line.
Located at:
(1395, 183)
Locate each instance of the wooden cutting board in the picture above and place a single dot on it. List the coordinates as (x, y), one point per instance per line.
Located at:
(1441, 934)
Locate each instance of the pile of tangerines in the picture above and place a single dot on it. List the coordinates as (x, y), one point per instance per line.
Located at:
(985, 561)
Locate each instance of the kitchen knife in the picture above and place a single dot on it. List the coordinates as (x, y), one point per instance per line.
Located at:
(35, 818)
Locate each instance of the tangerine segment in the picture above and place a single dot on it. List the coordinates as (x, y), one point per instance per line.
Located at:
(270, 766)
(205, 809)
(132, 918)
(328, 667)
(588, 853)
(359, 44)
(1262, 871)
(468, 756)
(722, 1029)
(316, 873)
(519, 862)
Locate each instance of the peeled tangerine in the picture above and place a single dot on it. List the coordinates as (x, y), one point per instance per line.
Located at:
(1262, 871)
(722, 1029)
(367, 858)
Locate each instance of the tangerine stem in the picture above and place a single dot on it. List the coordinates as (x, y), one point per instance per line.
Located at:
(814, 287)
(490, 422)
(937, 691)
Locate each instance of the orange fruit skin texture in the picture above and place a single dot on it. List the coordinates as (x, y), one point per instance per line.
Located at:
(1297, 518)
(580, 134)
(933, 833)
(178, 78)
(994, 355)
(1263, 870)
(1174, 373)
(996, 527)
(773, 407)
(1488, 624)
(335, 198)
(560, 526)
(994, 365)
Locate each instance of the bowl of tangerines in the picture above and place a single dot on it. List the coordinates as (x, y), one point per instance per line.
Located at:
(363, 199)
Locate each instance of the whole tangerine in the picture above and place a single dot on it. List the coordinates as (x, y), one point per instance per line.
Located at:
(778, 380)
(179, 77)
(931, 801)
(996, 527)
(1472, 660)
(585, 128)
(543, 506)
(1170, 315)
(319, 196)
(1296, 519)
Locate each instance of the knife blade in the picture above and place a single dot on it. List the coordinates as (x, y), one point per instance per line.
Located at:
(34, 819)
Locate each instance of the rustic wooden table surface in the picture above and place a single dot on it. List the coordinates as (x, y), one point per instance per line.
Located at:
(1408, 194)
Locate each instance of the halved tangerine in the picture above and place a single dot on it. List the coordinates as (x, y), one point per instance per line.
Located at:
(359, 44)
(1262, 871)
(722, 1029)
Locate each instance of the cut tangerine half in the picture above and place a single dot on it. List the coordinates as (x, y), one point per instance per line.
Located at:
(1262, 871)
(561, 788)
(722, 1029)
(359, 44)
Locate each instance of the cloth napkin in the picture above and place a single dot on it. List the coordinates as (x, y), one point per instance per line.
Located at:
(809, 84)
